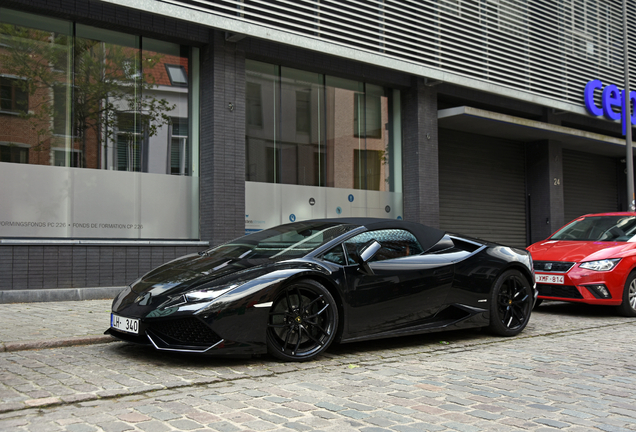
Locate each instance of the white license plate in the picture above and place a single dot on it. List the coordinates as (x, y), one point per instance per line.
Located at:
(550, 279)
(128, 325)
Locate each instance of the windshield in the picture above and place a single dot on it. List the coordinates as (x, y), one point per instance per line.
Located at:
(293, 240)
(599, 228)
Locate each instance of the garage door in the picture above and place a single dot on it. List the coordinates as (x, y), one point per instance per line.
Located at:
(482, 187)
(590, 184)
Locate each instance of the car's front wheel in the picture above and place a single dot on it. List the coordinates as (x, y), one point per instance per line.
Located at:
(510, 304)
(302, 321)
(628, 306)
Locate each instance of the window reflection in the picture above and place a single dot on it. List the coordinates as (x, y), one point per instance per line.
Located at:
(33, 64)
(101, 99)
(304, 128)
(179, 148)
(13, 96)
(262, 145)
(83, 98)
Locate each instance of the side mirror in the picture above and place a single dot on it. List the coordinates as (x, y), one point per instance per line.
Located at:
(366, 253)
(369, 250)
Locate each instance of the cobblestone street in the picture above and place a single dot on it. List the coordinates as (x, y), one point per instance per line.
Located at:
(572, 369)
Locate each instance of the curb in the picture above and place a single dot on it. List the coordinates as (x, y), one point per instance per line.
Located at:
(55, 343)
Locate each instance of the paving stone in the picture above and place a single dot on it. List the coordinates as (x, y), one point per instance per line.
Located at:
(401, 410)
(297, 426)
(286, 412)
(609, 428)
(164, 416)
(329, 406)
(462, 427)
(224, 427)
(552, 423)
(81, 428)
(325, 414)
(358, 415)
(184, 424)
(484, 415)
(116, 426)
(419, 427)
(153, 426)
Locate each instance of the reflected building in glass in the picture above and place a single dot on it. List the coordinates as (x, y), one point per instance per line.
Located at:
(319, 131)
(87, 98)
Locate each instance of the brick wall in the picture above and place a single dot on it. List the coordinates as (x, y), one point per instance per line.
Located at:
(51, 267)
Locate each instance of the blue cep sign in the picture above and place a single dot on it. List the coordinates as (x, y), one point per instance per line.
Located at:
(612, 97)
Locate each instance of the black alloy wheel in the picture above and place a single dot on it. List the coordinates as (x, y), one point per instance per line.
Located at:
(628, 306)
(302, 321)
(510, 304)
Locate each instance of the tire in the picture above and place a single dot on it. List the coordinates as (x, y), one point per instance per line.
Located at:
(303, 321)
(628, 306)
(510, 304)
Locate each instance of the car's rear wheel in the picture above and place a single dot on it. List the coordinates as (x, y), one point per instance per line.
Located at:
(302, 321)
(628, 306)
(510, 304)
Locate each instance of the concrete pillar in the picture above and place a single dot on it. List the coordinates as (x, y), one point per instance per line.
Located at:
(420, 154)
(222, 145)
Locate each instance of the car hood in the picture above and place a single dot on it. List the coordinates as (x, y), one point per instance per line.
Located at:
(577, 251)
(190, 271)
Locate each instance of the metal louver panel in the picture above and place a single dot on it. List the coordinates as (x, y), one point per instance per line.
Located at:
(590, 184)
(482, 187)
(540, 48)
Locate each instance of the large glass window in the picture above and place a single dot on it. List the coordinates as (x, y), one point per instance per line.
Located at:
(309, 129)
(319, 146)
(77, 96)
(100, 95)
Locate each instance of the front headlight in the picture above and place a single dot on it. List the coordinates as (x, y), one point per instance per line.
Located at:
(208, 294)
(600, 265)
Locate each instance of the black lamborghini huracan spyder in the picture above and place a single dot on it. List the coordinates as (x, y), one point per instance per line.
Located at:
(294, 289)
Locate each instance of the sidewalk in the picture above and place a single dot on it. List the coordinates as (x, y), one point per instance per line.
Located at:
(26, 326)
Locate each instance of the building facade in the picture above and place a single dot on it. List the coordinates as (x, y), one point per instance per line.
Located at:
(133, 132)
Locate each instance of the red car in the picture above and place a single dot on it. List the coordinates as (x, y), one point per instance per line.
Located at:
(590, 260)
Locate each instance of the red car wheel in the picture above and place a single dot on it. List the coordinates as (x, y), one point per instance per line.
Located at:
(628, 307)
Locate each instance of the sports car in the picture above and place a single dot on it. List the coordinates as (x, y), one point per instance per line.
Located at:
(590, 260)
(294, 289)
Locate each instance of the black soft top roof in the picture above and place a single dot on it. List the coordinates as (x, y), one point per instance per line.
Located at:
(426, 236)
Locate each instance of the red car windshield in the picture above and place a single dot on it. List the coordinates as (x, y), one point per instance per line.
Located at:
(599, 228)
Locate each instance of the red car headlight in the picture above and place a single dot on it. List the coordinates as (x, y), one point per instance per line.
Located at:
(600, 265)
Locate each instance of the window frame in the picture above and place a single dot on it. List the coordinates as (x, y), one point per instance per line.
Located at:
(14, 110)
(352, 261)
